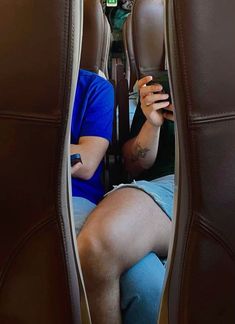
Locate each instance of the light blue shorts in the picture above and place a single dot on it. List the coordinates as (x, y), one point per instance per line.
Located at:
(81, 209)
(161, 190)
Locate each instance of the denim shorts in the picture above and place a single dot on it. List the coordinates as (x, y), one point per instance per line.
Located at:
(81, 209)
(161, 190)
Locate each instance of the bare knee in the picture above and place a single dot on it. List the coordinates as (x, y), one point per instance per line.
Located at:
(98, 252)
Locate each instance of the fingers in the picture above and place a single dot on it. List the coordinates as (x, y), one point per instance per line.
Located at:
(171, 107)
(168, 116)
(144, 80)
(142, 84)
(148, 90)
(151, 98)
(168, 113)
(145, 90)
(160, 105)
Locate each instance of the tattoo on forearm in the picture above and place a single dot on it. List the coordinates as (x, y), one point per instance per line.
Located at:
(140, 152)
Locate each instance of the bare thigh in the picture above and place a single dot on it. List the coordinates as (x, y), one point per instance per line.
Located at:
(130, 224)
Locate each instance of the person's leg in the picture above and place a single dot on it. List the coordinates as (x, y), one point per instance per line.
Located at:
(141, 288)
(124, 227)
(141, 285)
(81, 209)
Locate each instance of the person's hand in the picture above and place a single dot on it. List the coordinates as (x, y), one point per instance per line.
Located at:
(77, 166)
(169, 112)
(150, 95)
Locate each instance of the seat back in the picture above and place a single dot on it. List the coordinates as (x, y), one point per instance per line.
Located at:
(127, 63)
(148, 41)
(128, 46)
(39, 280)
(201, 269)
(96, 39)
(93, 36)
(106, 48)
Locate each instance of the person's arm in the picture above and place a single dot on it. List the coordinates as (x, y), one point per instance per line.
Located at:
(92, 150)
(140, 152)
(96, 129)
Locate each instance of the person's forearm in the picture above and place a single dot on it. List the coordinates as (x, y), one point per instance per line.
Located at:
(140, 152)
(92, 150)
(84, 170)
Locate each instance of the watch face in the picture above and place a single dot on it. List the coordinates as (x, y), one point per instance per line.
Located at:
(75, 158)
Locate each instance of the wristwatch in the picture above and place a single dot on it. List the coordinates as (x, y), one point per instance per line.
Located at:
(75, 158)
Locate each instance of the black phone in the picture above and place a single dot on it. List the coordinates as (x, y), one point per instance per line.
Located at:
(75, 158)
(162, 78)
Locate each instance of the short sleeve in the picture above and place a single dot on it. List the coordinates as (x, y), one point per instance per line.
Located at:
(98, 118)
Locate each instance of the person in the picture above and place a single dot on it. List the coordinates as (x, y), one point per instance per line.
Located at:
(125, 236)
(91, 132)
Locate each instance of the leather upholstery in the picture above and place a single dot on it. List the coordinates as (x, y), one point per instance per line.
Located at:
(201, 275)
(96, 38)
(148, 41)
(105, 47)
(93, 29)
(38, 269)
(128, 46)
(127, 65)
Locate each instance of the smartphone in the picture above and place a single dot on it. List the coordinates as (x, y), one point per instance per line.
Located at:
(75, 158)
(162, 78)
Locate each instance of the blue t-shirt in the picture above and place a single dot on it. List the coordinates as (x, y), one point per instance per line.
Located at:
(92, 116)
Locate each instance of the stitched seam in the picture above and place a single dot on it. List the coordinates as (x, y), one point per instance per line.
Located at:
(174, 50)
(205, 226)
(184, 69)
(21, 244)
(36, 119)
(66, 73)
(61, 150)
(215, 118)
(183, 56)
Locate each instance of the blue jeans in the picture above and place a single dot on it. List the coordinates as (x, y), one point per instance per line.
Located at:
(141, 285)
(141, 288)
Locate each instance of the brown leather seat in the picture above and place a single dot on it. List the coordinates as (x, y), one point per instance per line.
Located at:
(96, 38)
(106, 48)
(201, 270)
(38, 269)
(143, 35)
(130, 59)
(127, 65)
(93, 28)
(148, 33)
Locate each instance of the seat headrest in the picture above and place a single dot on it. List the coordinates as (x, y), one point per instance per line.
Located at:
(148, 36)
(128, 43)
(93, 33)
(105, 47)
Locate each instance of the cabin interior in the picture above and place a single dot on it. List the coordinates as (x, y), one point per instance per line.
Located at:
(43, 44)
